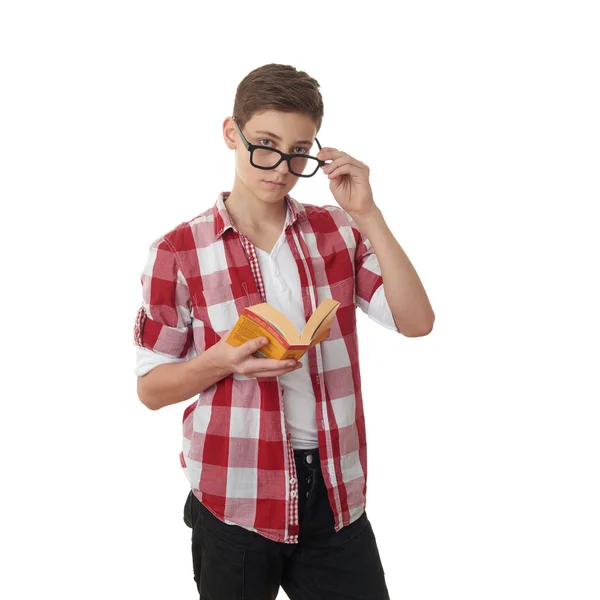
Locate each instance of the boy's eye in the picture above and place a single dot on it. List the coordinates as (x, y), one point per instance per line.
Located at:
(296, 150)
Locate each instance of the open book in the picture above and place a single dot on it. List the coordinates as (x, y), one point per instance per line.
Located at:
(284, 340)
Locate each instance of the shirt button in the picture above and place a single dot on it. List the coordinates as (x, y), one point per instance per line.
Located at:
(309, 458)
(294, 494)
(293, 480)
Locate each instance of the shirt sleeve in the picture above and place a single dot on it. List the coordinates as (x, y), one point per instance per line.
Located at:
(146, 359)
(367, 272)
(380, 311)
(163, 323)
(369, 293)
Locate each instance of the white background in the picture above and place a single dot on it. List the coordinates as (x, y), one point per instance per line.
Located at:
(480, 123)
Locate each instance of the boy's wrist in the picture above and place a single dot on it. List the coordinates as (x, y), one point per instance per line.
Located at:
(213, 360)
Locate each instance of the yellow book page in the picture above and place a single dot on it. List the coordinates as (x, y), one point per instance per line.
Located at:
(322, 317)
(278, 320)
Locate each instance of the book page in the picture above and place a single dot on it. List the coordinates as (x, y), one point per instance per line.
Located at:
(322, 317)
(323, 331)
(278, 320)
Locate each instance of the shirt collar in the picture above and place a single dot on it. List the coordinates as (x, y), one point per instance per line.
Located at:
(222, 220)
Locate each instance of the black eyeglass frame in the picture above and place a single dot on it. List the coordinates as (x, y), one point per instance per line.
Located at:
(287, 157)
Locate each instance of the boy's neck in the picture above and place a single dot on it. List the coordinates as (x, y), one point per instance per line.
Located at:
(250, 213)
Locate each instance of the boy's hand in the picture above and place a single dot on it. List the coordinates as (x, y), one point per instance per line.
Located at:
(240, 360)
(348, 181)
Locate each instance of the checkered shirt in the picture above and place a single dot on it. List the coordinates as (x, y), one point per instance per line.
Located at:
(236, 451)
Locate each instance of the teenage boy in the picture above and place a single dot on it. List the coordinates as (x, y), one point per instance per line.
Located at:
(275, 451)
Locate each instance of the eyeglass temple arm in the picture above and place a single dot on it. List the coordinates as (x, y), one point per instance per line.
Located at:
(322, 163)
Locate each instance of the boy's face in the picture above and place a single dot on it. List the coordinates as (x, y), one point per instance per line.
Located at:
(297, 133)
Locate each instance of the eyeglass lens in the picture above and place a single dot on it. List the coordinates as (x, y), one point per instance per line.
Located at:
(267, 158)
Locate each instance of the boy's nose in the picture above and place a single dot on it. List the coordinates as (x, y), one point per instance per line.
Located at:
(282, 167)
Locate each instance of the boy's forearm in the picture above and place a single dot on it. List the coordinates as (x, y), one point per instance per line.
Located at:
(176, 382)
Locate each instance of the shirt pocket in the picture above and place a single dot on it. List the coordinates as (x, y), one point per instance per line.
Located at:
(222, 308)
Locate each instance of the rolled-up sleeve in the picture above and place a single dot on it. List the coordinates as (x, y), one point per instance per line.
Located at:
(163, 323)
(369, 292)
(146, 360)
(380, 311)
(367, 273)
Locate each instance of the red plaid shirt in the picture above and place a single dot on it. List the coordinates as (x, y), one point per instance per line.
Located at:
(237, 453)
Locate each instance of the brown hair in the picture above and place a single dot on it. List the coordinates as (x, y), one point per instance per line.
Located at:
(278, 87)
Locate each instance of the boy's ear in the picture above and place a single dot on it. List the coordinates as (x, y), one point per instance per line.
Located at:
(229, 133)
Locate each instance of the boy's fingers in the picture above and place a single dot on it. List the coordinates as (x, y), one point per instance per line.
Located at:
(260, 365)
(275, 373)
(271, 364)
(264, 364)
(262, 374)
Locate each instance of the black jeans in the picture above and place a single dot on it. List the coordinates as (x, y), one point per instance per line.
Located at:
(233, 563)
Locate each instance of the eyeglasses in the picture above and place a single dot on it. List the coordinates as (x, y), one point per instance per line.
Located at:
(266, 158)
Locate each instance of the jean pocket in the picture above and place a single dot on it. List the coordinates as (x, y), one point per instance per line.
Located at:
(190, 510)
(187, 511)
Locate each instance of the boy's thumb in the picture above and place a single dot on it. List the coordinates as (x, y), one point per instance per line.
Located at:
(251, 346)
